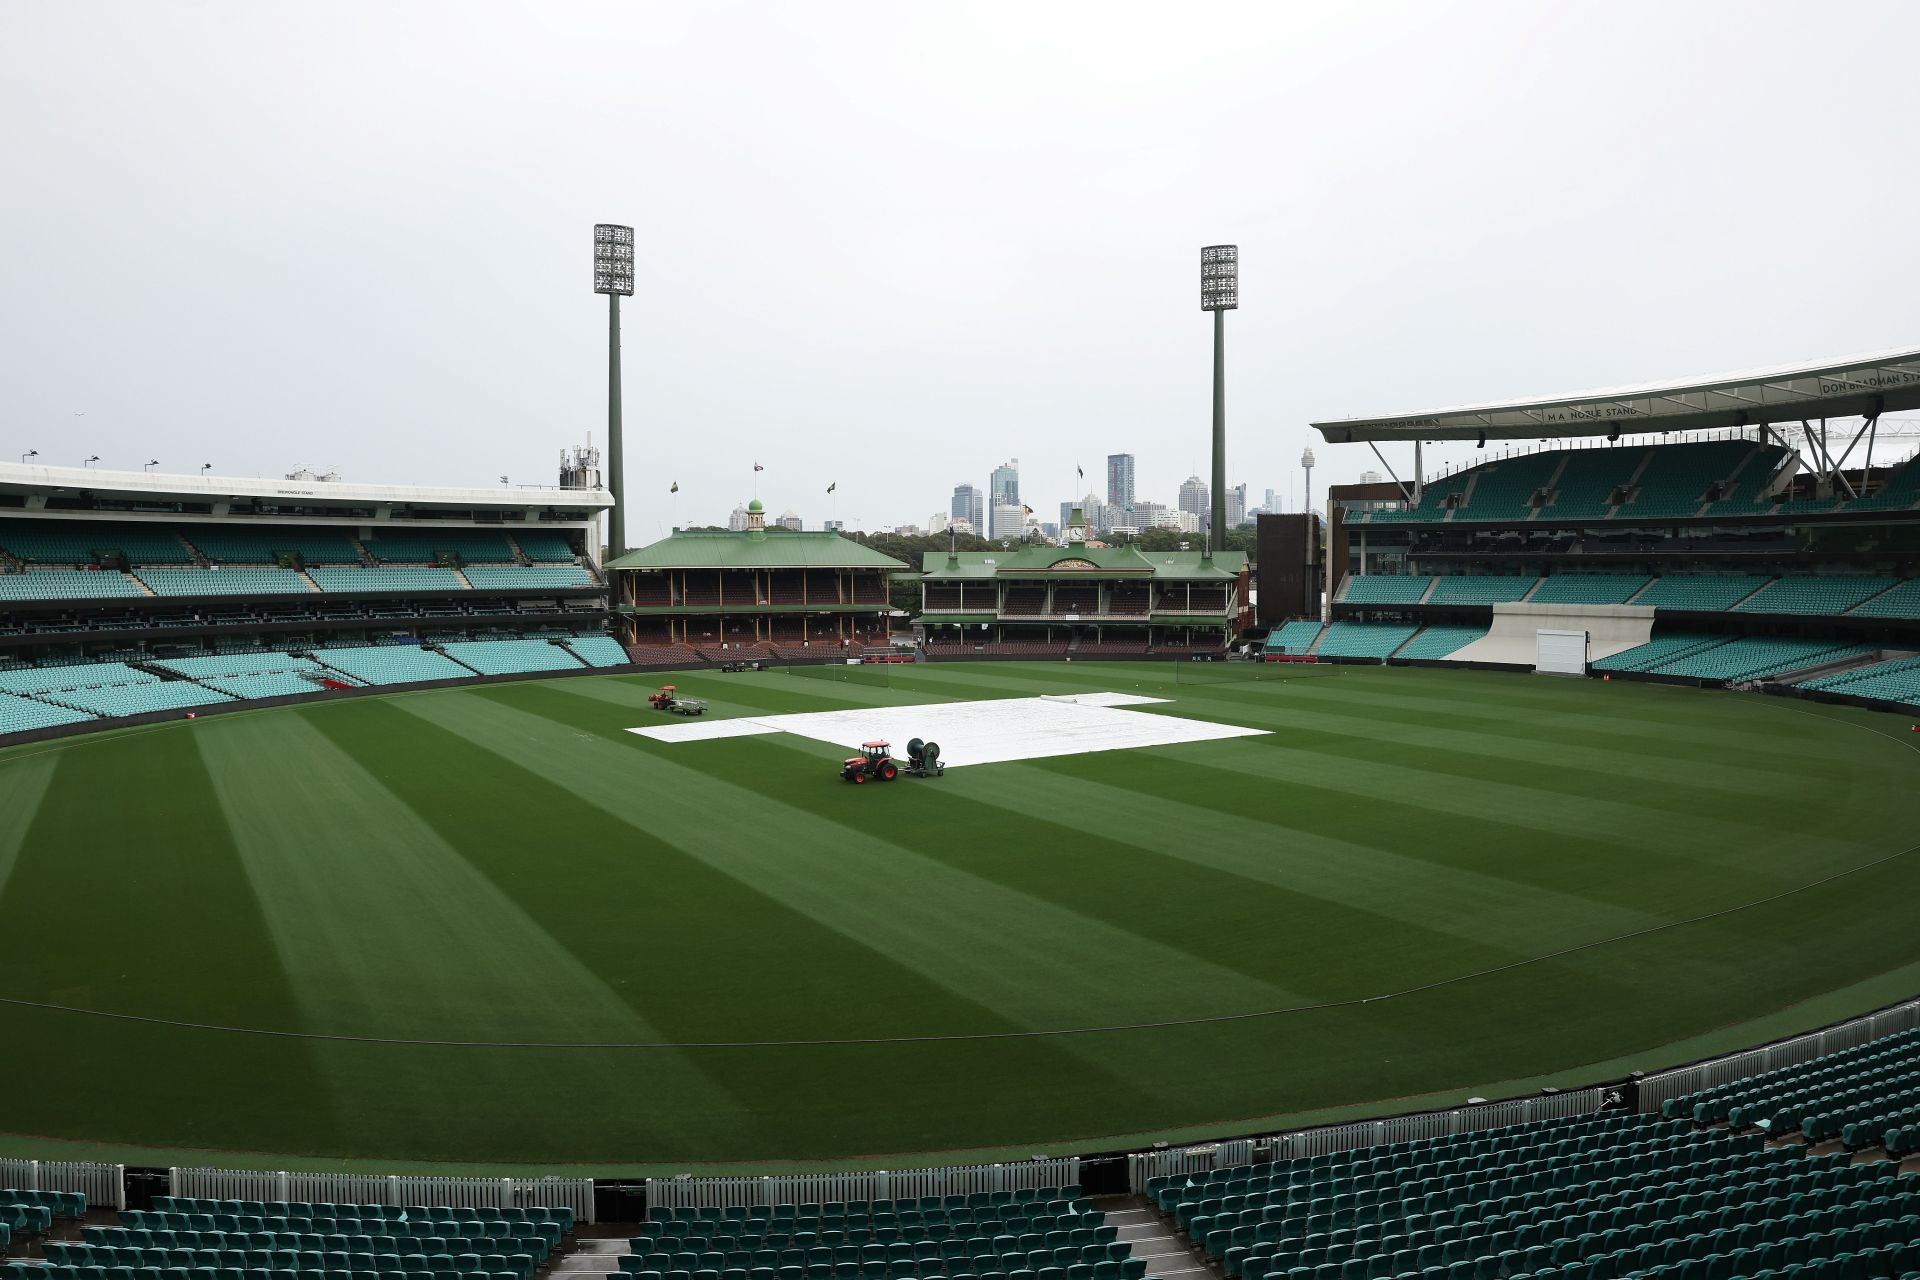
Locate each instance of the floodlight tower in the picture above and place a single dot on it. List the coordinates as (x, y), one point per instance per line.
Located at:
(613, 276)
(1219, 293)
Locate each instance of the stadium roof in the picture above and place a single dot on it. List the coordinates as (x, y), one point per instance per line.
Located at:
(142, 486)
(1853, 386)
(1044, 561)
(774, 548)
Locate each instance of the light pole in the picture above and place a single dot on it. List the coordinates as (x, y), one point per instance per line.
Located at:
(90, 461)
(31, 453)
(613, 276)
(151, 464)
(205, 467)
(1219, 293)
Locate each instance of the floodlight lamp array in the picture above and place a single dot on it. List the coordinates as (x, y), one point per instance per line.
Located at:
(612, 259)
(1220, 277)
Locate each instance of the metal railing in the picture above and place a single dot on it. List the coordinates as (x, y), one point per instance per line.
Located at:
(882, 1184)
(388, 1189)
(1301, 1143)
(1680, 1081)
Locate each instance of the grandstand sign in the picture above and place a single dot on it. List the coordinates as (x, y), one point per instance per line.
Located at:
(1858, 386)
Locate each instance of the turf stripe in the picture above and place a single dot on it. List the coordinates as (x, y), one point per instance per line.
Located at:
(23, 784)
(800, 837)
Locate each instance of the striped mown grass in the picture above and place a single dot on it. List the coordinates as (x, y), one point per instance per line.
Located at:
(488, 927)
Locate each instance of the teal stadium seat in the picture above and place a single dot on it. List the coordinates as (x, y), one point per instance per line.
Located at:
(1901, 601)
(224, 582)
(1294, 637)
(496, 577)
(57, 542)
(1827, 594)
(599, 651)
(1433, 644)
(391, 664)
(1363, 640)
(424, 546)
(506, 657)
(67, 584)
(544, 546)
(1385, 588)
(1504, 490)
(1894, 680)
(1588, 588)
(233, 544)
(386, 578)
(1480, 588)
(1706, 593)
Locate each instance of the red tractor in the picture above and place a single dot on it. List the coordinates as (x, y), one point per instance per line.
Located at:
(876, 764)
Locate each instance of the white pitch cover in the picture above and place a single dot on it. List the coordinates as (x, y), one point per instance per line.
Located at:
(1561, 653)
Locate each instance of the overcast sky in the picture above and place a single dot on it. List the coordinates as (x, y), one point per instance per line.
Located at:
(892, 245)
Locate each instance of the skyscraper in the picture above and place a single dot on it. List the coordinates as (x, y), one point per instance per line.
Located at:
(1194, 496)
(1237, 506)
(1003, 490)
(969, 505)
(1120, 482)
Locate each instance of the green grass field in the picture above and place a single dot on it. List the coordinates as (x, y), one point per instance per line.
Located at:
(1422, 884)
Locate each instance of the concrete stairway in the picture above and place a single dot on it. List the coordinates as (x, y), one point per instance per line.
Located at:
(1145, 1231)
(590, 1258)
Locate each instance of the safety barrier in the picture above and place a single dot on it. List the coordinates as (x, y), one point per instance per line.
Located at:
(104, 1185)
(1301, 1143)
(389, 1189)
(882, 1184)
(1661, 1085)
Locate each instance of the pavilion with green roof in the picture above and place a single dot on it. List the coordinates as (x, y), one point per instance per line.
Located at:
(1084, 598)
(757, 587)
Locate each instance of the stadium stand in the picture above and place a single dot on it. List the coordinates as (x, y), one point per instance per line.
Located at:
(1589, 1198)
(548, 576)
(507, 657)
(1677, 477)
(1363, 640)
(1899, 492)
(1588, 588)
(1385, 588)
(1751, 657)
(545, 547)
(235, 545)
(226, 582)
(599, 651)
(1892, 680)
(1665, 648)
(390, 578)
(1814, 593)
(1480, 589)
(19, 715)
(53, 542)
(1701, 592)
(1435, 643)
(1866, 1096)
(424, 546)
(67, 584)
(1590, 480)
(1295, 637)
(1056, 1234)
(1902, 601)
(137, 699)
(1505, 490)
(391, 664)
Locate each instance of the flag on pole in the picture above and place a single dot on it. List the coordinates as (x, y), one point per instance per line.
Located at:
(1079, 474)
(758, 467)
(676, 487)
(833, 486)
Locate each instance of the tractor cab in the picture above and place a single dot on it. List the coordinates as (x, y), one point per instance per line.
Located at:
(663, 698)
(875, 762)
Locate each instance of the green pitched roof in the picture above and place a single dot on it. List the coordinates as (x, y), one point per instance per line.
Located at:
(768, 549)
(1049, 561)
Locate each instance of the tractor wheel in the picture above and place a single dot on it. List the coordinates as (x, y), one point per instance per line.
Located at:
(859, 775)
(889, 771)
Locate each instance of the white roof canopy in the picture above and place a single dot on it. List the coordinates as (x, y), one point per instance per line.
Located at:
(1854, 386)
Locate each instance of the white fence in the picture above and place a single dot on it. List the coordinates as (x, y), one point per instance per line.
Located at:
(391, 1189)
(883, 1184)
(104, 1185)
(1661, 1085)
(1142, 1165)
